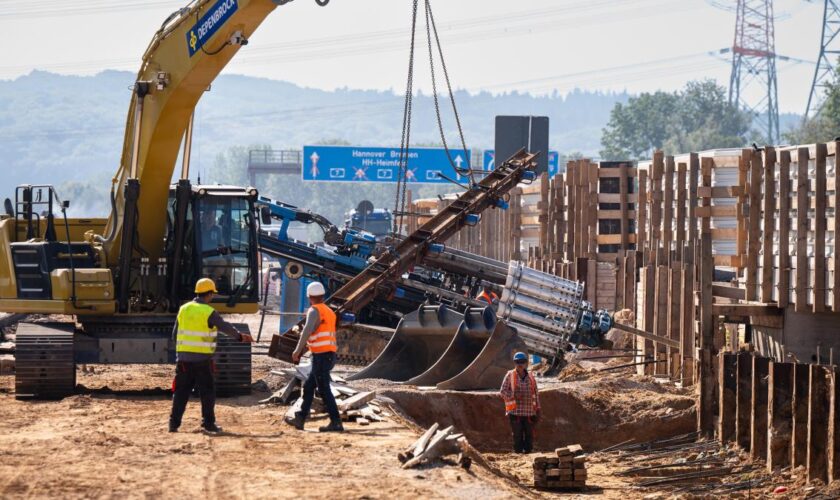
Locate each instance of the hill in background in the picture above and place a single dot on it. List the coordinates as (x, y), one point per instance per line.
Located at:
(68, 130)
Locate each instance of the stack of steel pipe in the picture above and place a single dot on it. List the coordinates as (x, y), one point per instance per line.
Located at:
(544, 309)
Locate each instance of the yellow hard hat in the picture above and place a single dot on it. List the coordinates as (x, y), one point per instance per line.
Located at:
(205, 285)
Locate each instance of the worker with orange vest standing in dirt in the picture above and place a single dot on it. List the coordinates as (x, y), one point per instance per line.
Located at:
(319, 336)
(196, 330)
(522, 403)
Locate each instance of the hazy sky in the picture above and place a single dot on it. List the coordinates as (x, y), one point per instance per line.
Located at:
(497, 45)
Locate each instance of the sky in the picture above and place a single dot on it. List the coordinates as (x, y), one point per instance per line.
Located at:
(536, 46)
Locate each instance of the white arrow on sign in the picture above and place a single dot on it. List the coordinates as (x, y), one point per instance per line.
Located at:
(458, 161)
(314, 157)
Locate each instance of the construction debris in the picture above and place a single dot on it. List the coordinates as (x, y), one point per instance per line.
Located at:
(435, 444)
(353, 405)
(567, 470)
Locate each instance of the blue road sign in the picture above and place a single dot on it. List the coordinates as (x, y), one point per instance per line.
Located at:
(364, 164)
(553, 162)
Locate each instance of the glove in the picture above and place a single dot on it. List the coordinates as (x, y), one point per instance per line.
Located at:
(295, 358)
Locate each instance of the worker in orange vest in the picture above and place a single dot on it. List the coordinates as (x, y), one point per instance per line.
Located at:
(488, 296)
(318, 336)
(522, 403)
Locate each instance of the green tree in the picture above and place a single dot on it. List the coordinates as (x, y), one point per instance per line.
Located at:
(825, 126)
(693, 119)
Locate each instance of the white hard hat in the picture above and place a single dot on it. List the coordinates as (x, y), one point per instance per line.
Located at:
(315, 289)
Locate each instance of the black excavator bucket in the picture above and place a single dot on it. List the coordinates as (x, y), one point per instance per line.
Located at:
(419, 341)
(465, 347)
(488, 368)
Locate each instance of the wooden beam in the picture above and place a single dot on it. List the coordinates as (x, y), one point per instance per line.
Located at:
(571, 171)
(719, 192)
(820, 196)
(729, 292)
(613, 239)
(746, 310)
(779, 415)
(758, 419)
(693, 172)
(784, 229)
(605, 173)
(835, 302)
(641, 223)
(615, 215)
(616, 198)
(754, 229)
(743, 400)
(625, 210)
(728, 388)
(668, 207)
(769, 208)
(818, 403)
(801, 294)
(799, 406)
(679, 241)
(717, 211)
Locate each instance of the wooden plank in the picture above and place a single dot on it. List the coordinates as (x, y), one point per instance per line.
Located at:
(629, 280)
(571, 220)
(719, 192)
(642, 208)
(758, 419)
(616, 198)
(728, 260)
(784, 229)
(818, 403)
(674, 299)
(656, 200)
(605, 173)
(728, 388)
(693, 172)
(799, 404)
(662, 314)
(717, 211)
(820, 196)
(616, 215)
(743, 400)
(592, 212)
(613, 239)
(592, 281)
(801, 294)
(743, 172)
(769, 208)
(687, 322)
(680, 236)
(754, 228)
(835, 292)
(833, 444)
(779, 415)
(729, 292)
(726, 233)
(625, 209)
(668, 207)
(746, 310)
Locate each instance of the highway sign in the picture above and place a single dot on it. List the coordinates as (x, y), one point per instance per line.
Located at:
(370, 164)
(553, 162)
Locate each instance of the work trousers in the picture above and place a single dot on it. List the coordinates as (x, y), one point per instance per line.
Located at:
(523, 433)
(319, 377)
(189, 376)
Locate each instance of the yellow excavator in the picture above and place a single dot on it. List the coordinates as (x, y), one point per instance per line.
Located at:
(124, 277)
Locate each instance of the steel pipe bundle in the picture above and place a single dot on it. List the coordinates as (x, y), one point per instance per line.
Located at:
(546, 310)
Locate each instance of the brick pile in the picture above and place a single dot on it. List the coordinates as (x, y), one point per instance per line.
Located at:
(565, 470)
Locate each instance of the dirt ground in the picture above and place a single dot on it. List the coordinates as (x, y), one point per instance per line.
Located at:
(114, 443)
(110, 440)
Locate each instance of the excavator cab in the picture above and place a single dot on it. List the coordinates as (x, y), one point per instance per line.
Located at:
(218, 241)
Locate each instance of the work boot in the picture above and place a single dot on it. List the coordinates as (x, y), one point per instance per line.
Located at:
(296, 422)
(212, 428)
(332, 427)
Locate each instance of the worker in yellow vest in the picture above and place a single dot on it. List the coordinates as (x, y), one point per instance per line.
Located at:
(522, 403)
(196, 330)
(318, 335)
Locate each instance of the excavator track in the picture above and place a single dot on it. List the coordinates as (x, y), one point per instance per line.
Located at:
(44, 361)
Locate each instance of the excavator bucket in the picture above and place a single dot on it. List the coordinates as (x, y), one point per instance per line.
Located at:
(489, 367)
(420, 340)
(465, 347)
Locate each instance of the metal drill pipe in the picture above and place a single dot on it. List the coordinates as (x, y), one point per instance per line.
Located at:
(551, 296)
(518, 270)
(538, 306)
(520, 316)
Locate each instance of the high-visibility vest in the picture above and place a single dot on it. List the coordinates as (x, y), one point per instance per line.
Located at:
(510, 404)
(194, 335)
(323, 338)
(488, 297)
